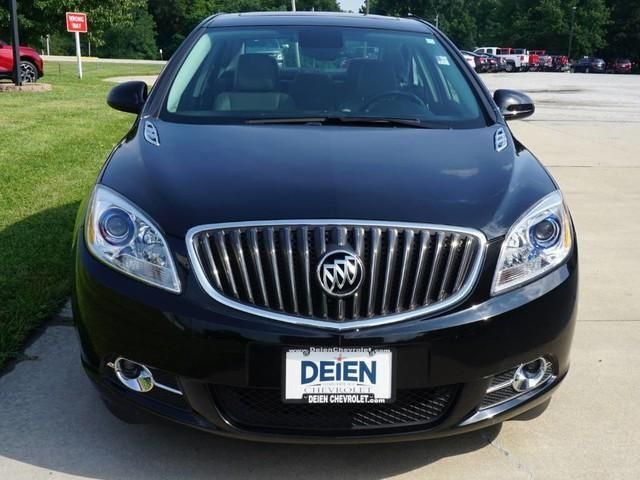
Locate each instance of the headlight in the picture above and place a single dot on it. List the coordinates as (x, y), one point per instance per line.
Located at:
(124, 238)
(537, 243)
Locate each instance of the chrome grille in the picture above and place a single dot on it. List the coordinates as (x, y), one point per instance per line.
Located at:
(269, 269)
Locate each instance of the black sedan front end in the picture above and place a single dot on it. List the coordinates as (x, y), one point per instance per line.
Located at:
(296, 252)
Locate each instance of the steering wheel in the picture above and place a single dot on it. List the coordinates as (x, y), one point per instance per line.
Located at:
(391, 95)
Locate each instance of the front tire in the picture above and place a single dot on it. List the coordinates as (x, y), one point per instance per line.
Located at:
(510, 67)
(28, 72)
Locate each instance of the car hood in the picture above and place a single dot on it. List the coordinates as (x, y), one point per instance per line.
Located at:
(201, 174)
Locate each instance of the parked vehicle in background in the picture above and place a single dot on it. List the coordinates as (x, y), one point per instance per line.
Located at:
(31, 64)
(469, 58)
(590, 65)
(499, 62)
(537, 60)
(481, 63)
(560, 63)
(516, 62)
(620, 65)
(531, 56)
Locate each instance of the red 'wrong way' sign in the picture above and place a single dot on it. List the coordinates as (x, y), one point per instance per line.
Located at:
(76, 22)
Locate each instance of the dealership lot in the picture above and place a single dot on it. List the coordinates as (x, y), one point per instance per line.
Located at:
(587, 131)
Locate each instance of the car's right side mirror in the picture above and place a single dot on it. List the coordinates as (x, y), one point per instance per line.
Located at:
(514, 105)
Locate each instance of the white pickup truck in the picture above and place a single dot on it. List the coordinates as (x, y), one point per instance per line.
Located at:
(517, 59)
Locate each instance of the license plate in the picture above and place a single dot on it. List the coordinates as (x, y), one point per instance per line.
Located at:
(338, 375)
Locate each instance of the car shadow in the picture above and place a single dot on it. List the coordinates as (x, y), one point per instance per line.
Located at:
(52, 419)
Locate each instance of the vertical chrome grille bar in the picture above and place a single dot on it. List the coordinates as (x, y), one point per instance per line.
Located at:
(236, 245)
(469, 247)
(340, 237)
(212, 264)
(254, 251)
(446, 278)
(303, 253)
(290, 267)
(392, 242)
(321, 248)
(435, 266)
(273, 265)
(376, 235)
(420, 268)
(358, 240)
(404, 269)
(226, 263)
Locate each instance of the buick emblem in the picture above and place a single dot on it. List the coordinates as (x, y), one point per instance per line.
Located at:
(340, 273)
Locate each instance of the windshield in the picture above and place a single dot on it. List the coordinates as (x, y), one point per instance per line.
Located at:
(240, 75)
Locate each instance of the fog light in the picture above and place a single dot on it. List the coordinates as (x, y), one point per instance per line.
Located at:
(132, 375)
(529, 375)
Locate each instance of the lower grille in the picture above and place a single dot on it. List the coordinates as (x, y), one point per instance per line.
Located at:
(262, 408)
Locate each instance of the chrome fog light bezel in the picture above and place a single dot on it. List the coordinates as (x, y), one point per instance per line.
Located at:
(142, 383)
(523, 381)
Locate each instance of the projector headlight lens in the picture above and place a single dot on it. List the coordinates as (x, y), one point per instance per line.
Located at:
(536, 244)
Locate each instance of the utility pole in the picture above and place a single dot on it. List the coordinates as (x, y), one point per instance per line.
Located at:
(367, 4)
(437, 20)
(17, 76)
(573, 18)
(293, 5)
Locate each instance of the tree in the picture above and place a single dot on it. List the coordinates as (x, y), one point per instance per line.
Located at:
(42, 17)
(454, 16)
(126, 42)
(623, 34)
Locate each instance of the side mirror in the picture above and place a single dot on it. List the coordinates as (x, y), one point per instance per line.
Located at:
(128, 97)
(514, 105)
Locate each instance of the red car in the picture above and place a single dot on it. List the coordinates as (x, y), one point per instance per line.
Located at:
(31, 65)
(621, 65)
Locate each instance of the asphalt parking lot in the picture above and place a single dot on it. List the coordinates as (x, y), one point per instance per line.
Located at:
(587, 132)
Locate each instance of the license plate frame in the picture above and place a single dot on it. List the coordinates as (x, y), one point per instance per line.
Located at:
(340, 392)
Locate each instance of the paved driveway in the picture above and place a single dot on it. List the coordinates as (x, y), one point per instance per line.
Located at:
(587, 131)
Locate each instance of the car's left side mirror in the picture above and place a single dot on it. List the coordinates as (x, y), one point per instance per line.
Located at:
(514, 105)
(128, 96)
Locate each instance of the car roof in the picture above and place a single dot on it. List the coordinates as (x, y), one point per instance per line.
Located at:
(320, 19)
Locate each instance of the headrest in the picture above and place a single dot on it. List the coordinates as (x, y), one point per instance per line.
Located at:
(256, 73)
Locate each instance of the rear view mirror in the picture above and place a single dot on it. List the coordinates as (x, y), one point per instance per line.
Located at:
(514, 105)
(128, 97)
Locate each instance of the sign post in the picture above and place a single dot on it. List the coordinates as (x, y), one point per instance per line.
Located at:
(77, 24)
(17, 73)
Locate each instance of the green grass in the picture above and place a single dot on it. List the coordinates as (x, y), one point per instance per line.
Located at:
(52, 146)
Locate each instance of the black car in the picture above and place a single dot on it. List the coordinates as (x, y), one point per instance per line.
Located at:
(590, 65)
(323, 251)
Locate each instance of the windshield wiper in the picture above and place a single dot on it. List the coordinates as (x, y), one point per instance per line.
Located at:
(352, 121)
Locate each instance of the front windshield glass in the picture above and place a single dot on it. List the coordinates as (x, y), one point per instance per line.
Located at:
(239, 75)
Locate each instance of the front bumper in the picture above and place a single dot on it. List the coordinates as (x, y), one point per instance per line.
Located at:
(201, 346)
